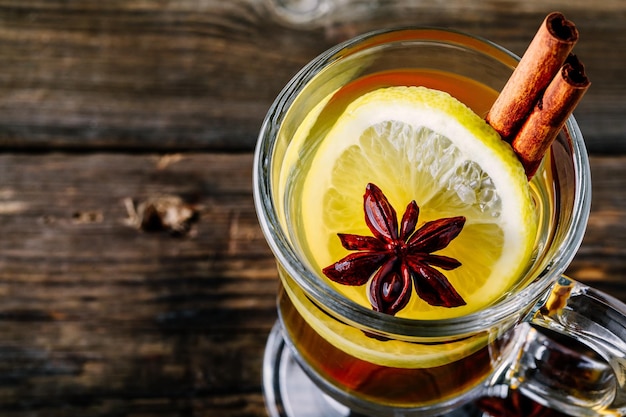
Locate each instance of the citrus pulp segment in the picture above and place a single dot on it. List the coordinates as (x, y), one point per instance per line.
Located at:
(420, 144)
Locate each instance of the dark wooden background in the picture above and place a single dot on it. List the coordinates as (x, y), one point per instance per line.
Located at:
(108, 104)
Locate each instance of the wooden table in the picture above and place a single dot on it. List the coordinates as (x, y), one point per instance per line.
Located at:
(105, 105)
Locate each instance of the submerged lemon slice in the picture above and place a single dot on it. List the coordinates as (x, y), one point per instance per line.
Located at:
(420, 144)
(390, 353)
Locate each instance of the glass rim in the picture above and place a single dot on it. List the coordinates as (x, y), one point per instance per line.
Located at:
(321, 292)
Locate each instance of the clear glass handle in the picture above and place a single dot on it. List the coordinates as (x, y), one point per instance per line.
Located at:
(574, 353)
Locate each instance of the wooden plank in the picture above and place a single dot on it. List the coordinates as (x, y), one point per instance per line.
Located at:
(201, 75)
(65, 227)
(100, 104)
(101, 319)
(600, 260)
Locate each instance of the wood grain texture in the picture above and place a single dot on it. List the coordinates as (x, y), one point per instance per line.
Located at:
(105, 105)
(201, 74)
(101, 319)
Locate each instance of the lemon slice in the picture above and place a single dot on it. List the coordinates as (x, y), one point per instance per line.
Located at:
(391, 353)
(421, 144)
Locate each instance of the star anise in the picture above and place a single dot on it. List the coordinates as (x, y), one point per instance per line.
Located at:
(398, 257)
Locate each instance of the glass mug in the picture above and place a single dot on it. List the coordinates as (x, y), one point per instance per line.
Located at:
(554, 340)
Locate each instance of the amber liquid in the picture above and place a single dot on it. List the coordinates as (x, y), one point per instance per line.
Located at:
(408, 386)
(392, 386)
(473, 94)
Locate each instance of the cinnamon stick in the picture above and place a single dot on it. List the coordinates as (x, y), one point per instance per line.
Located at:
(550, 113)
(546, 53)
